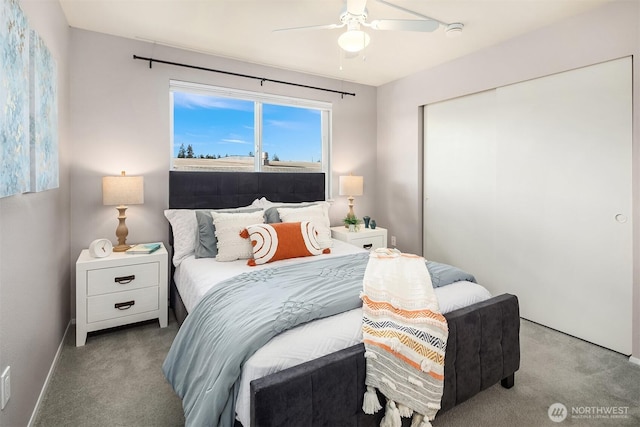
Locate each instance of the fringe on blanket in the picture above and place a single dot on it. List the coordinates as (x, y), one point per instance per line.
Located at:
(405, 338)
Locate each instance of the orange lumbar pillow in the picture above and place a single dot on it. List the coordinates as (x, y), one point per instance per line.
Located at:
(273, 242)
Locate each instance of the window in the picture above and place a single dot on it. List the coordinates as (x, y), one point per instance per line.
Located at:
(230, 130)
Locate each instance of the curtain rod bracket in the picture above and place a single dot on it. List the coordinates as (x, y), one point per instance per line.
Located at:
(262, 79)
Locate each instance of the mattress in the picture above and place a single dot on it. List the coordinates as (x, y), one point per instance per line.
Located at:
(194, 277)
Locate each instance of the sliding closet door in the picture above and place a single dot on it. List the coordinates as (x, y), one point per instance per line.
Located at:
(460, 185)
(553, 225)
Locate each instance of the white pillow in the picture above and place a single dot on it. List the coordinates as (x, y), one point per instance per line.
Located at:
(317, 214)
(228, 228)
(261, 203)
(184, 226)
(185, 232)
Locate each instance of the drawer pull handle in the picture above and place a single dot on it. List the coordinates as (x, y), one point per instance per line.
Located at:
(125, 279)
(124, 305)
(369, 246)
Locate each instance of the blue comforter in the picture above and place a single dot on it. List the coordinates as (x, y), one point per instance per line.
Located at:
(238, 316)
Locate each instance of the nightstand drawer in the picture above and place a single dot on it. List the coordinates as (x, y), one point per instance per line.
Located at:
(366, 238)
(117, 279)
(368, 242)
(121, 304)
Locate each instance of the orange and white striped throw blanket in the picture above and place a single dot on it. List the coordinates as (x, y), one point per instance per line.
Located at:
(405, 338)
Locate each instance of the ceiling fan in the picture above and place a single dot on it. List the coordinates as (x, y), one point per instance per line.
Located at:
(354, 16)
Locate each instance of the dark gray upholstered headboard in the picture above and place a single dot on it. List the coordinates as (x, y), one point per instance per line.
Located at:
(217, 190)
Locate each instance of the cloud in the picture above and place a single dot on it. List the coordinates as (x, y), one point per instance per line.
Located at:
(234, 141)
(283, 124)
(195, 135)
(193, 101)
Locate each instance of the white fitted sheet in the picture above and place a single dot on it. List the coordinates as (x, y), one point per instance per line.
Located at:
(194, 277)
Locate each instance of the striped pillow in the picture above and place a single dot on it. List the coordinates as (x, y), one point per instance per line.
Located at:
(273, 242)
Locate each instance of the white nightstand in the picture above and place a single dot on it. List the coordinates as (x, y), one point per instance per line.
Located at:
(120, 289)
(365, 237)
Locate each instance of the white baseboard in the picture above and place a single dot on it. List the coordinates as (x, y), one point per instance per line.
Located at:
(634, 360)
(46, 381)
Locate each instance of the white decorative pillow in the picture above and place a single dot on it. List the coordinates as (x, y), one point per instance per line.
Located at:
(184, 225)
(282, 240)
(317, 214)
(185, 230)
(261, 203)
(228, 228)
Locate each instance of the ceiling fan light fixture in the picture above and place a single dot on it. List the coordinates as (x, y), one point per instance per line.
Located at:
(353, 40)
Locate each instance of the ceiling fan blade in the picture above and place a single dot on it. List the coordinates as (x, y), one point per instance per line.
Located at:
(312, 27)
(405, 25)
(356, 7)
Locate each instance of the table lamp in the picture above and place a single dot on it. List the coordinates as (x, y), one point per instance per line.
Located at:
(351, 186)
(122, 191)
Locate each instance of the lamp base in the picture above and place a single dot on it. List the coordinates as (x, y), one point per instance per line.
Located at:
(122, 231)
(350, 214)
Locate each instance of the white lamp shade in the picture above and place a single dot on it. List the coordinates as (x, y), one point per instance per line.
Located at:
(351, 185)
(353, 40)
(122, 190)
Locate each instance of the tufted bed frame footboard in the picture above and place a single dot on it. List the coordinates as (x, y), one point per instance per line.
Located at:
(483, 349)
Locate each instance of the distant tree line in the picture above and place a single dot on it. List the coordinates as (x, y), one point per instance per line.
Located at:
(188, 153)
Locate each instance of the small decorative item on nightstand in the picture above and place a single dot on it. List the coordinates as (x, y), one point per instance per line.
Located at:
(366, 220)
(372, 224)
(100, 248)
(351, 222)
(143, 248)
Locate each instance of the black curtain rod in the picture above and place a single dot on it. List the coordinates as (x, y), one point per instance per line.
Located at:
(262, 79)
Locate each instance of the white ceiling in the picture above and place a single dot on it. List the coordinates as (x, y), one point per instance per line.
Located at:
(243, 29)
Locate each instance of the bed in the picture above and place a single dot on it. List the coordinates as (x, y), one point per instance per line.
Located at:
(483, 347)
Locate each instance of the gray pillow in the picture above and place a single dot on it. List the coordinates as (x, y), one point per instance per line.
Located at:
(445, 274)
(207, 244)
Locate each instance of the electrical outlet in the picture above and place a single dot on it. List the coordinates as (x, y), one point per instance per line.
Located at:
(393, 241)
(5, 386)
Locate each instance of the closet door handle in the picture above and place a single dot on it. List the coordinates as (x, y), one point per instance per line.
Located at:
(124, 305)
(621, 218)
(125, 279)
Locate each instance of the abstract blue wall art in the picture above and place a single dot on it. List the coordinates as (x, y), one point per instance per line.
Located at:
(14, 91)
(43, 123)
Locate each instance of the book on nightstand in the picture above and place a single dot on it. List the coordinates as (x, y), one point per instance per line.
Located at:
(143, 248)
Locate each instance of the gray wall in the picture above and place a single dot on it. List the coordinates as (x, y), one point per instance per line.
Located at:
(121, 111)
(114, 113)
(608, 32)
(34, 250)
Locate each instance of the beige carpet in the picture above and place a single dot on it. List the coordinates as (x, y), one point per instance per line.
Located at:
(116, 380)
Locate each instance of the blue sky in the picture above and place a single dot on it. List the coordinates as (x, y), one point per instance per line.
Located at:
(217, 125)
